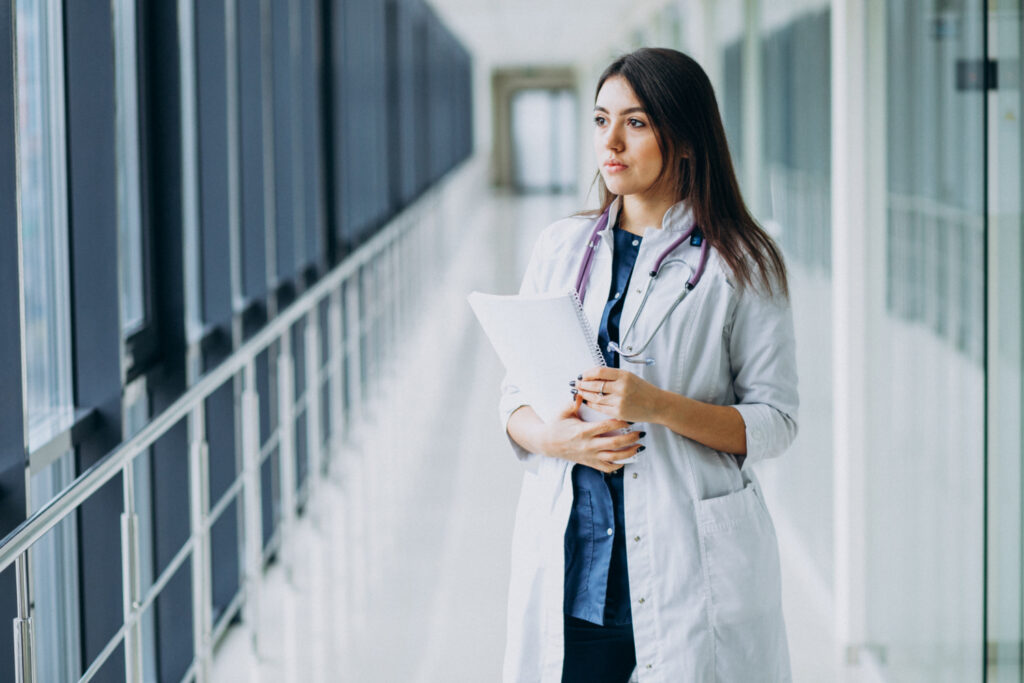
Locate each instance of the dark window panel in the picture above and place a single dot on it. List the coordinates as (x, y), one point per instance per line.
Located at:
(284, 145)
(311, 77)
(174, 626)
(224, 558)
(211, 83)
(251, 132)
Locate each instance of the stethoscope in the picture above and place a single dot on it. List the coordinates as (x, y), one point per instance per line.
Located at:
(625, 350)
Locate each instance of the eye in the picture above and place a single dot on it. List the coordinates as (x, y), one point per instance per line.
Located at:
(598, 120)
(636, 123)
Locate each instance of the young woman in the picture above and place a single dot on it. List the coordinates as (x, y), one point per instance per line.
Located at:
(666, 567)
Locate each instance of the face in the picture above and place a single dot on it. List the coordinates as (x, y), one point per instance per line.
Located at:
(624, 141)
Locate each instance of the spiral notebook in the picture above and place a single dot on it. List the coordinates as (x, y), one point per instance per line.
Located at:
(544, 341)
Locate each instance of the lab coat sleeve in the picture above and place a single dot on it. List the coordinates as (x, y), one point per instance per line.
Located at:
(511, 396)
(762, 352)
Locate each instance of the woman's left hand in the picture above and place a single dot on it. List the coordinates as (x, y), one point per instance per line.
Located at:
(620, 394)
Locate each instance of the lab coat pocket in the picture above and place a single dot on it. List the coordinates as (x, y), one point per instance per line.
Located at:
(740, 554)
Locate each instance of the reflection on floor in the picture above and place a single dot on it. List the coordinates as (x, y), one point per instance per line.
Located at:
(417, 528)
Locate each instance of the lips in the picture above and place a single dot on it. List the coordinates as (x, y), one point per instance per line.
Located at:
(614, 165)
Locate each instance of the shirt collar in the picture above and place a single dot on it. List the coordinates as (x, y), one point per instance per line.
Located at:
(678, 218)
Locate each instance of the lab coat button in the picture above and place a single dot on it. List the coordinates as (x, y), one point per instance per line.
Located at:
(634, 475)
(636, 538)
(641, 601)
(611, 531)
(650, 666)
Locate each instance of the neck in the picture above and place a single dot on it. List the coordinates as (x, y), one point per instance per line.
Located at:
(638, 212)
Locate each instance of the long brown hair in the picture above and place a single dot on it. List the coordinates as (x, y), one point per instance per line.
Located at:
(677, 96)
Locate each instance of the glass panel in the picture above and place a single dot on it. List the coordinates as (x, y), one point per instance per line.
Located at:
(924, 469)
(129, 212)
(796, 134)
(1006, 351)
(43, 200)
(54, 581)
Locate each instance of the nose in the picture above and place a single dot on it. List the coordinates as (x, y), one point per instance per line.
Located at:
(613, 139)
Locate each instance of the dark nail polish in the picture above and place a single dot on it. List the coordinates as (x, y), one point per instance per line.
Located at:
(585, 402)
(641, 448)
(643, 434)
(579, 376)
(572, 383)
(630, 423)
(573, 392)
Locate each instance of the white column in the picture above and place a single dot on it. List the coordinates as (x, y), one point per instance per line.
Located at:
(858, 293)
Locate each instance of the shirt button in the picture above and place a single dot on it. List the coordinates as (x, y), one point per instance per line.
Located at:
(636, 243)
(611, 531)
(634, 475)
(618, 294)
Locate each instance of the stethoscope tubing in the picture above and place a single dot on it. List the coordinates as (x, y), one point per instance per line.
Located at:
(583, 279)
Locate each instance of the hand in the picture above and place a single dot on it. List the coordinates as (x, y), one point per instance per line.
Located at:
(620, 394)
(569, 437)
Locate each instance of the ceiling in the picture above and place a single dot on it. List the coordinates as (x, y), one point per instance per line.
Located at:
(536, 32)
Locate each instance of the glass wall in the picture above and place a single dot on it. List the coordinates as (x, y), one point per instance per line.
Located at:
(795, 123)
(911, 602)
(1005, 350)
(924, 494)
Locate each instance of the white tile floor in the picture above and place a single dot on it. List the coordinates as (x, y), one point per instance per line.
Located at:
(398, 572)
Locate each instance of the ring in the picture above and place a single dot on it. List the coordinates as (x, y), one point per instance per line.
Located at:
(603, 382)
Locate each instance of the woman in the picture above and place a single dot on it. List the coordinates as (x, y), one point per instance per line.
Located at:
(666, 565)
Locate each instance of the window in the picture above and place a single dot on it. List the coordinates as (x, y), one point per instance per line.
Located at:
(43, 210)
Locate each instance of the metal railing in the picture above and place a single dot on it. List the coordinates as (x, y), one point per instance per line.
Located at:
(368, 300)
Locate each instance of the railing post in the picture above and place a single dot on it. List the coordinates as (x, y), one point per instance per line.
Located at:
(24, 635)
(338, 350)
(353, 336)
(286, 442)
(314, 443)
(252, 502)
(131, 583)
(199, 508)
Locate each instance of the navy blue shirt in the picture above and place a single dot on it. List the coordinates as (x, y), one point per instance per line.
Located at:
(596, 576)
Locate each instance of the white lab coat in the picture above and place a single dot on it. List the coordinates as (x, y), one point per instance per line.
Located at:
(703, 560)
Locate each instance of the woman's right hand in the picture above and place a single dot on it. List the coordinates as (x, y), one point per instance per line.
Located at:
(570, 438)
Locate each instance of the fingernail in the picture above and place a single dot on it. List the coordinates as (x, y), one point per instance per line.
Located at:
(641, 448)
(643, 434)
(573, 392)
(579, 376)
(585, 402)
(572, 383)
(630, 423)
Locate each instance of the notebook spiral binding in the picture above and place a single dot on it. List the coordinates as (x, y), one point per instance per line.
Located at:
(595, 350)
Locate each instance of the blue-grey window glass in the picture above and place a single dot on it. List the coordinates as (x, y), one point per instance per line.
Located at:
(54, 581)
(43, 204)
(130, 259)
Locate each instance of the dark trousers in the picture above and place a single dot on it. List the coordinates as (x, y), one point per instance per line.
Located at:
(597, 654)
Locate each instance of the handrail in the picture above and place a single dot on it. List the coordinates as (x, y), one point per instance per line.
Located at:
(19, 540)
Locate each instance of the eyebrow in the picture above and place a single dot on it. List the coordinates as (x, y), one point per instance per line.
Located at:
(623, 112)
